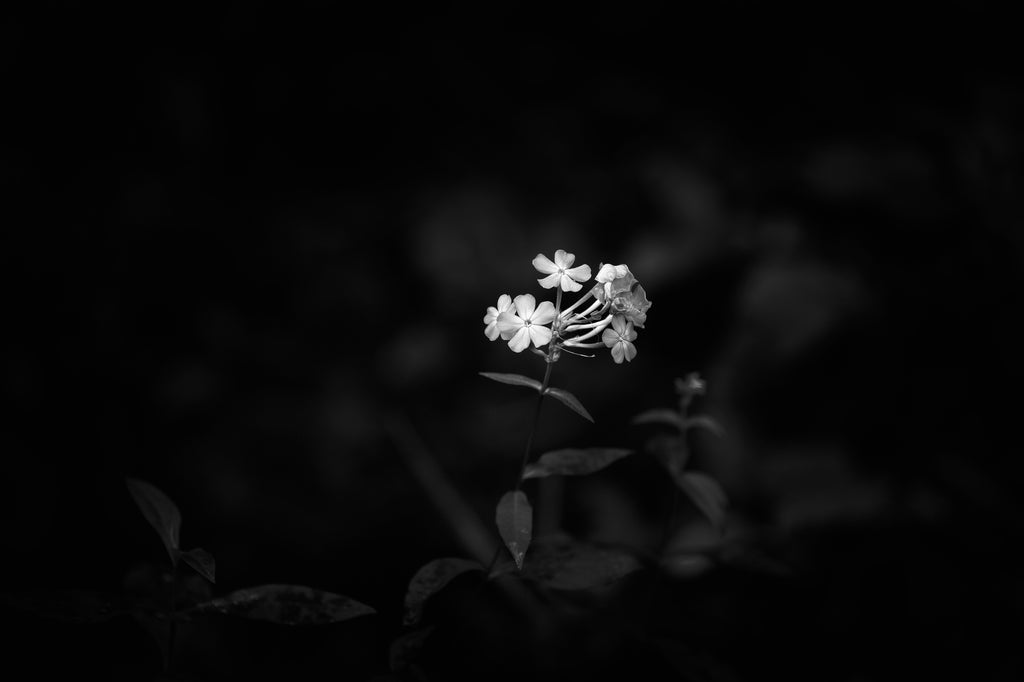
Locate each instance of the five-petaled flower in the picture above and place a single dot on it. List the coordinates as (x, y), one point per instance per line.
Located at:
(526, 325)
(560, 272)
(620, 338)
(491, 318)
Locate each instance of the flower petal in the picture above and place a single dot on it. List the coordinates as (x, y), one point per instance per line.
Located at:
(630, 350)
(564, 260)
(619, 324)
(568, 284)
(550, 281)
(544, 313)
(618, 353)
(508, 323)
(520, 341)
(492, 315)
(491, 331)
(539, 335)
(525, 305)
(504, 303)
(543, 264)
(580, 273)
(610, 337)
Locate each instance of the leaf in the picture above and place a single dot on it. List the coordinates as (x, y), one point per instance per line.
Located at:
(571, 401)
(514, 517)
(67, 606)
(405, 649)
(431, 579)
(574, 462)
(513, 379)
(706, 494)
(202, 561)
(562, 563)
(286, 605)
(661, 416)
(159, 510)
(704, 422)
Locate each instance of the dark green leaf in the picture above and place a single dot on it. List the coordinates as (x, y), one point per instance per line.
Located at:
(159, 510)
(68, 606)
(571, 401)
(514, 517)
(574, 462)
(429, 580)
(405, 649)
(661, 416)
(513, 379)
(202, 561)
(704, 422)
(286, 605)
(561, 563)
(706, 494)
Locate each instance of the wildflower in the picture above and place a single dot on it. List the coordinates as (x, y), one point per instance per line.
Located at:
(491, 318)
(607, 274)
(560, 272)
(620, 339)
(627, 296)
(526, 324)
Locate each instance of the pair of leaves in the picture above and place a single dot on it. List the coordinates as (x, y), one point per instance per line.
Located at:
(675, 419)
(559, 394)
(164, 516)
(285, 605)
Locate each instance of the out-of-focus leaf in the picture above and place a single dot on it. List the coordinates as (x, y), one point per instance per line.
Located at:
(514, 517)
(686, 565)
(513, 379)
(286, 605)
(704, 422)
(562, 563)
(661, 415)
(159, 510)
(68, 606)
(431, 579)
(574, 462)
(570, 401)
(706, 494)
(405, 649)
(202, 561)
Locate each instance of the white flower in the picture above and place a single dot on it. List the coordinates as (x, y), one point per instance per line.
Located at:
(527, 323)
(560, 272)
(620, 338)
(491, 318)
(607, 274)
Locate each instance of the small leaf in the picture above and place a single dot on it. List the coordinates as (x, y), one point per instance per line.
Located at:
(514, 517)
(562, 563)
(430, 580)
(286, 605)
(513, 379)
(574, 462)
(661, 416)
(571, 401)
(159, 510)
(704, 422)
(202, 561)
(706, 494)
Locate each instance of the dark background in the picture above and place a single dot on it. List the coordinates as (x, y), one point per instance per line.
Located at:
(243, 239)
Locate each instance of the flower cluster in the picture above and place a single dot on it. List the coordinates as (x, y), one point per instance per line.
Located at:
(618, 308)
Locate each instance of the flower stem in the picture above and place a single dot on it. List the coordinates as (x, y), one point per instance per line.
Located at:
(536, 419)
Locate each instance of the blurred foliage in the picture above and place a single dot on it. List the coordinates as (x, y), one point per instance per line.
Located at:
(241, 238)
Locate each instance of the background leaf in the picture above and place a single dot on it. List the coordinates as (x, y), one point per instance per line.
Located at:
(570, 401)
(429, 580)
(513, 379)
(202, 561)
(704, 422)
(706, 494)
(160, 511)
(661, 415)
(574, 462)
(286, 605)
(562, 563)
(514, 517)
